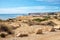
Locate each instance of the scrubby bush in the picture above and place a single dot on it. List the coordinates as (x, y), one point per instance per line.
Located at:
(51, 23)
(47, 17)
(51, 29)
(38, 20)
(55, 17)
(6, 28)
(1, 20)
(39, 31)
(59, 19)
(3, 34)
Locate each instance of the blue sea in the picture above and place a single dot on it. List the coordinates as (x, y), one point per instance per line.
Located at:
(6, 16)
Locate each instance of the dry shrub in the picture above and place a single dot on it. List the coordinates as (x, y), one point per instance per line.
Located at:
(39, 31)
(51, 23)
(52, 30)
(3, 34)
(49, 29)
(6, 28)
(57, 27)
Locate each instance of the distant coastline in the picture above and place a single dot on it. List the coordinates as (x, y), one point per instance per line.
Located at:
(6, 16)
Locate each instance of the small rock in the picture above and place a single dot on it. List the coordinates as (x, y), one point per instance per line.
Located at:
(22, 35)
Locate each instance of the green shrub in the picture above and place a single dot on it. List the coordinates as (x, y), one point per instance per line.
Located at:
(38, 20)
(47, 17)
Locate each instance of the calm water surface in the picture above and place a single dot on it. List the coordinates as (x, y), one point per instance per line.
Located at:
(6, 16)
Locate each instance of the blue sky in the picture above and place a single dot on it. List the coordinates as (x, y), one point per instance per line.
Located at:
(28, 6)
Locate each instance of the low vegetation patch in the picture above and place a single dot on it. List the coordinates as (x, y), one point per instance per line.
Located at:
(39, 31)
(40, 20)
(47, 17)
(51, 23)
(3, 34)
(55, 17)
(59, 19)
(6, 28)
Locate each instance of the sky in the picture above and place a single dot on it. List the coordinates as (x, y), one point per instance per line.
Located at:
(28, 6)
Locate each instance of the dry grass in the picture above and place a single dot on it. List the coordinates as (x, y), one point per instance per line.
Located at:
(6, 28)
(29, 28)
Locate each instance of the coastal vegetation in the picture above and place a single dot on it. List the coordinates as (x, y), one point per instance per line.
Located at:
(40, 20)
(30, 26)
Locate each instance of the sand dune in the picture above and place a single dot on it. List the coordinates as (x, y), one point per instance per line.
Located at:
(30, 28)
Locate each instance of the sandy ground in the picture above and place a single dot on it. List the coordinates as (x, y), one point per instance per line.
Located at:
(33, 36)
(44, 36)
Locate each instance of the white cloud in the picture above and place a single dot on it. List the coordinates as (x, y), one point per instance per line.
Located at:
(29, 9)
(51, 1)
